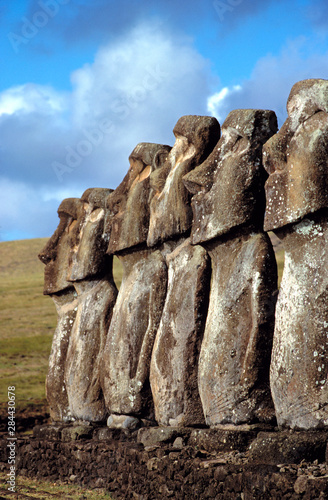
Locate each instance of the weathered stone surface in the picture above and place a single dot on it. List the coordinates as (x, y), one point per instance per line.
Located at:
(76, 433)
(130, 470)
(66, 306)
(174, 364)
(123, 422)
(288, 447)
(77, 253)
(136, 316)
(170, 211)
(296, 157)
(235, 354)
(312, 487)
(88, 259)
(56, 256)
(127, 219)
(228, 215)
(215, 440)
(83, 365)
(299, 366)
(91, 272)
(48, 432)
(155, 435)
(297, 201)
(228, 186)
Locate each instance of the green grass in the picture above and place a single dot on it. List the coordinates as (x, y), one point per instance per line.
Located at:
(27, 321)
(34, 488)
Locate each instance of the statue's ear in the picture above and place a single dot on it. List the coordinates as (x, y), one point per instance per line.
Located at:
(161, 168)
(161, 157)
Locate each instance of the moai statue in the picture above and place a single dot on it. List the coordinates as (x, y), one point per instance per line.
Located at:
(174, 364)
(90, 271)
(297, 210)
(138, 309)
(56, 256)
(171, 213)
(228, 213)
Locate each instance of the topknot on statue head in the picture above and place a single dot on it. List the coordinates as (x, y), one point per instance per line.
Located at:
(127, 208)
(296, 157)
(228, 187)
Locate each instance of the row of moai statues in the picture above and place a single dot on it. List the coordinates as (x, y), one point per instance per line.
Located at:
(194, 335)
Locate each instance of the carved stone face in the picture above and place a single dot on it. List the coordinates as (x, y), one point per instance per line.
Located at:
(127, 217)
(296, 157)
(56, 254)
(170, 211)
(88, 256)
(229, 185)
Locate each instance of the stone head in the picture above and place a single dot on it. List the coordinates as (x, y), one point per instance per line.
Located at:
(170, 211)
(127, 207)
(296, 157)
(228, 187)
(57, 252)
(88, 257)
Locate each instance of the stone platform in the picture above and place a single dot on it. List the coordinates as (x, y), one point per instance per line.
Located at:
(250, 462)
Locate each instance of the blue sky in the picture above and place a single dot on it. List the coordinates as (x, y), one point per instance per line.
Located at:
(84, 81)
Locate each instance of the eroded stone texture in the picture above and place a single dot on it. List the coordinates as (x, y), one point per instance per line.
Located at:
(127, 219)
(88, 257)
(296, 157)
(91, 272)
(170, 211)
(56, 393)
(297, 197)
(228, 216)
(228, 186)
(56, 256)
(299, 369)
(136, 316)
(235, 354)
(174, 364)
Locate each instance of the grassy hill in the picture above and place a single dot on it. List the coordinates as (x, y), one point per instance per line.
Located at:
(28, 319)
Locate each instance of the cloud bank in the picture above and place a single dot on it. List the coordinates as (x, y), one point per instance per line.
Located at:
(53, 143)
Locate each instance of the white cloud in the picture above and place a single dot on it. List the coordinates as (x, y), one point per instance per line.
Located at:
(54, 144)
(215, 101)
(31, 98)
(141, 72)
